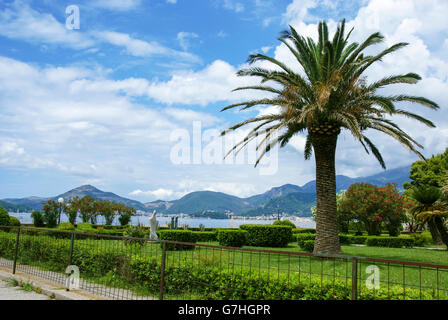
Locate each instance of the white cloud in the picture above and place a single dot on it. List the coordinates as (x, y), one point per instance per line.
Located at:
(213, 83)
(72, 119)
(183, 38)
(233, 5)
(140, 48)
(161, 193)
(120, 5)
(19, 21)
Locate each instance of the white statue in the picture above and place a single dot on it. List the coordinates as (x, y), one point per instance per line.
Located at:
(153, 224)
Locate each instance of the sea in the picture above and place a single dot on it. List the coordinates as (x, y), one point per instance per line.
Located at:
(25, 218)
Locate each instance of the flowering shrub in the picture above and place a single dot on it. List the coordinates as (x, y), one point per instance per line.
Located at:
(375, 206)
(51, 213)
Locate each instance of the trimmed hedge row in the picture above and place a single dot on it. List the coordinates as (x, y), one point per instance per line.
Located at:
(267, 235)
(179, 236)
(389, 242)
(232, 238)
(184, 277)
(304, 230)
(205, 236)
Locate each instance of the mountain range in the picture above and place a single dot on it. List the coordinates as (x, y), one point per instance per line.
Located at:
(289, 198)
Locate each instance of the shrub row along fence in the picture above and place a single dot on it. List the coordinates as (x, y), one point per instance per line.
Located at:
(132, 268)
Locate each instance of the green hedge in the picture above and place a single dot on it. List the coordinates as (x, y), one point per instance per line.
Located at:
(351, 239)
(304, 237)
(304, 230)
(390, 242)
(180, 236)
(183, 278)
(13, 221)
(267, 235)
(307, 245)
(232, 238)
(4, 217)
(205, 236)
(284, 223)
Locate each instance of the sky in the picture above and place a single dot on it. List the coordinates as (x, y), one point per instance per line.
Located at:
(129, 98)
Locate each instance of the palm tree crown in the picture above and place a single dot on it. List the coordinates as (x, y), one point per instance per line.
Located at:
(330, 96)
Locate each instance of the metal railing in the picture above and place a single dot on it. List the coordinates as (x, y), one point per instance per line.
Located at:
(115, 267)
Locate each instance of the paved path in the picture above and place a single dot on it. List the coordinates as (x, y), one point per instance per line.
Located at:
(16, 293)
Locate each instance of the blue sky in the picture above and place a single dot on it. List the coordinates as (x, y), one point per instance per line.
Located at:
(100, 105)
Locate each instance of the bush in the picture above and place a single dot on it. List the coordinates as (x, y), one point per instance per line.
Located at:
(304, 230)
(134, 232)
(66, 226)
(419, 239)
(4, 217)
(358, 239)
(177, 236)
(390, 242)
(345, 239)
(267, 235)
(304, 237)
(284, 223)
(308, 245)
(13, 221)
(205, 236)
(232, 238)
(84, 227)
(38, 219)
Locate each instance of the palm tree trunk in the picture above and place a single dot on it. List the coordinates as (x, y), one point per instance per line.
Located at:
(434, 232)
(442, 231)
(327, 233)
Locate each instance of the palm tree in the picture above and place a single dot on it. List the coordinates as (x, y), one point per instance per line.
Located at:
(332, 94)
(427, 199)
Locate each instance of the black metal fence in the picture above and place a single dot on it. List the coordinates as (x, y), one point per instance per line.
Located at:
(131, 268)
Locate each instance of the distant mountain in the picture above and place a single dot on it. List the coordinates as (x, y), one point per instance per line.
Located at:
(276, 192)
(295, 203)
(10, 207)
(288, 198)
(208, 200)
(89, 190)
(35, 203)
(398, 176)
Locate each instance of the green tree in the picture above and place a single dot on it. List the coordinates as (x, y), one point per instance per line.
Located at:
(330, 95)
(4, 217)
(51, 213)
(344, 213)
(38, 219)
(107, 209)
(429, 173)
(86, 208)
(427, 198)
(125, 213)
(71, 209)
(377, 207)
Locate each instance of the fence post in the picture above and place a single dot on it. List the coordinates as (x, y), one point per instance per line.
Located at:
(16, 250)
(162, 271)
(354, 279)
(70, 255)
